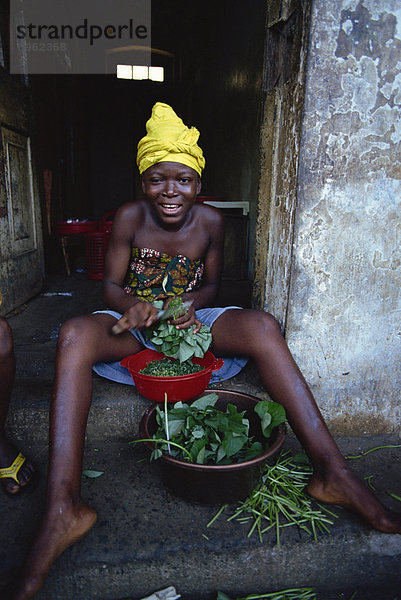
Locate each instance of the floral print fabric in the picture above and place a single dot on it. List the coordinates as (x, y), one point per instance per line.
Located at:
(154, 275)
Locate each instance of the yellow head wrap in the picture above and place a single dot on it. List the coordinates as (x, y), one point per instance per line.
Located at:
(168, 139)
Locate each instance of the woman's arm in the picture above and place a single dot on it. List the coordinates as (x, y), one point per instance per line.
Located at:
(136, 313)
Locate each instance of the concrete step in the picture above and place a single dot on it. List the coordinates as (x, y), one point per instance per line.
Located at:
(146, 539)
(116, 409)
(36, 324)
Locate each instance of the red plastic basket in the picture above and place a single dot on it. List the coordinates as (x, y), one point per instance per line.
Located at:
(178, 388)
(96, 243)
(107, 223)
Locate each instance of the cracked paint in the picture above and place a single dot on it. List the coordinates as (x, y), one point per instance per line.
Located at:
(345, 305)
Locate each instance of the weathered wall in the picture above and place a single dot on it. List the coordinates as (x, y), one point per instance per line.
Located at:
(285, 52)
(343, 323)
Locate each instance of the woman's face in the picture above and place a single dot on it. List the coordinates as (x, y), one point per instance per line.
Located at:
(171, 189)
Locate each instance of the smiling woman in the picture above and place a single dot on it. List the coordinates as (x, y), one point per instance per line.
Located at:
(171, 188)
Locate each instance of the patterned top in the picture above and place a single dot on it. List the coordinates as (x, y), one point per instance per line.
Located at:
(154, 275)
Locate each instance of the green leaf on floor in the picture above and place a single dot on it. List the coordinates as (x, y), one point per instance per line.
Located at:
(92, 474)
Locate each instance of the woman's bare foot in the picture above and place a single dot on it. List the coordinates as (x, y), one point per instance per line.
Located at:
(8, 453)
(345, 489)
(63, 527)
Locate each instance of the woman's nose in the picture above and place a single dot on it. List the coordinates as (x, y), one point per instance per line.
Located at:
(169, 189)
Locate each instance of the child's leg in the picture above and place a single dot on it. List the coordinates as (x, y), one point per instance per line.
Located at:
(257, 335)
(8, 452)
(82, 342)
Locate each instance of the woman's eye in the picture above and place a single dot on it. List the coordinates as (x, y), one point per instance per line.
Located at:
(184, 180)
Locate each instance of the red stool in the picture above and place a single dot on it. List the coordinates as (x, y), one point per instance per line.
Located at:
(96, 248)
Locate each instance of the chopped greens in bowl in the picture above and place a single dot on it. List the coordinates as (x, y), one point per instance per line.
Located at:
(167, 367)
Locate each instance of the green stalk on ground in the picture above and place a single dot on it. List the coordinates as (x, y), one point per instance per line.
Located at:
(280, 501)
(306, 593)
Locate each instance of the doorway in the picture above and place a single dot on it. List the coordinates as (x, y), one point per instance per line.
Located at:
(220, 78)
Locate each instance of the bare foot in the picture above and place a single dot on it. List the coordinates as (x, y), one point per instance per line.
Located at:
(59, 530)
(8, 453)
(345, 489)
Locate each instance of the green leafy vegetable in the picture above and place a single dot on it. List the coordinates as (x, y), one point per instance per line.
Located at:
(271, 415)
(167, 367)
(181, 344)
(209, 435)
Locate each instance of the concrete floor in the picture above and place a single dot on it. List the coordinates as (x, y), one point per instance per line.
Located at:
(146, 538)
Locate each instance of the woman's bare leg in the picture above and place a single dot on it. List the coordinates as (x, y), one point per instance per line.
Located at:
(8, 452)
(257, 335)
(82, 342)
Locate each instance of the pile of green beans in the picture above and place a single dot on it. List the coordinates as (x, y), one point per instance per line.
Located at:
(280, 501)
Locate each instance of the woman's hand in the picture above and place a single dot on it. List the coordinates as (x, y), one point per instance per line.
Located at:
(138, 316)
(186, 320)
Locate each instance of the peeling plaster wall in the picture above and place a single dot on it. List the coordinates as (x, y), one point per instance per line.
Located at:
(343, 321)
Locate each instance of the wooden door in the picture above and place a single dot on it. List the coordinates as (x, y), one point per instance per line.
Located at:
(21, 247)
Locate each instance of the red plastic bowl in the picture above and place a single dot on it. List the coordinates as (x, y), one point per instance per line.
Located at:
(179, 388)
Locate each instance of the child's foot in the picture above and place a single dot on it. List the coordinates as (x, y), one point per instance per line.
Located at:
(23, 473)
(345, 489)
(58, 531)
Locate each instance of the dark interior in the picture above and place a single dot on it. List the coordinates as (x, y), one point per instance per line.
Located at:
(87, 126)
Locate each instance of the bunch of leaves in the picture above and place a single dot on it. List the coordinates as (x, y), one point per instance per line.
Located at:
(280, 500)
(205, 435)
(181, 344)
(306, 593)
(167, 367)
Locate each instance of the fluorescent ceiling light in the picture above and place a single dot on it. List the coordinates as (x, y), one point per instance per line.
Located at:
(124, 71)
(156, 73)
(139, 72)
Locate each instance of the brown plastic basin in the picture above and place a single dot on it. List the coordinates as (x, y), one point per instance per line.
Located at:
(216, 484)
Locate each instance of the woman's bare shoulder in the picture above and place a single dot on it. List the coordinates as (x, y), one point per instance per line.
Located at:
(131, 213)
(209, 225)
(133, 209)
(210, 216)
(128, 219)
